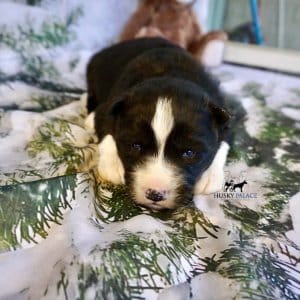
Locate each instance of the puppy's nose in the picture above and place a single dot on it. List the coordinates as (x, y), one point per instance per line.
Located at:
(155, 195)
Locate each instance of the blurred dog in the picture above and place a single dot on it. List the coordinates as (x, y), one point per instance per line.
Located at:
(175, 21)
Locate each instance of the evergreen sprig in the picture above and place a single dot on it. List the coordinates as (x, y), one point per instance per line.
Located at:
(28, 210)
(27, 42)
(52, 138)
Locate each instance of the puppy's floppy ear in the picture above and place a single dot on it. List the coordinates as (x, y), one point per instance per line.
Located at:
(221, 116)
(117, 107)
(107, 116)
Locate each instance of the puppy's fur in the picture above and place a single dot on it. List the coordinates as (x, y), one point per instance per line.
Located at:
(160, 120)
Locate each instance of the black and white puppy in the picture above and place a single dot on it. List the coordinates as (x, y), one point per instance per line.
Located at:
(160, 120)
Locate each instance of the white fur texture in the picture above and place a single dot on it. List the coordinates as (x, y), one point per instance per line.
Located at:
(162, 122)
(110, 167)
(90, 122)
(83, 100)
(157, 173)
(213, 178)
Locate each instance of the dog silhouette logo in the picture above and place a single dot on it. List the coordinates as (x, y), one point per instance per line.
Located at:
(236, 188)
(233, 187)
(235, 184)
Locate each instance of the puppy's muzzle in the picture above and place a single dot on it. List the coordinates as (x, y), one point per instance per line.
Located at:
(155, 195)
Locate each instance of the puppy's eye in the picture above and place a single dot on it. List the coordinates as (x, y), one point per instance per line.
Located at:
(188, 154)
(136, 147)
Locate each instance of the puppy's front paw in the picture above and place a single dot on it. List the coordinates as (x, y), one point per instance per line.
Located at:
(83, 99)
(89, 122)
(110, 167)
(212, 179)
(111, 171)
(210, 182)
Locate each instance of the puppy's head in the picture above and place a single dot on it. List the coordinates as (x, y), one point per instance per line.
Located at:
(166, 138)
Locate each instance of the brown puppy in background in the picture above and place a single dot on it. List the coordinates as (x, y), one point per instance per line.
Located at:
(175, 21)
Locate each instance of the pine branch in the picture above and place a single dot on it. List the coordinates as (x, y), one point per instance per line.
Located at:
(26, 39)
(52, 138)
(27, 210)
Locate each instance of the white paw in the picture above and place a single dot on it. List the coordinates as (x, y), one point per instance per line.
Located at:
(109, 166)
(89, 122)
(210, 182)
(111, 171)
(212, 179)
(83, 99)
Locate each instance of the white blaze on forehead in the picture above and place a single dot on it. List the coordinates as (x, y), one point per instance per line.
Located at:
(156, 173)
(162, 122)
